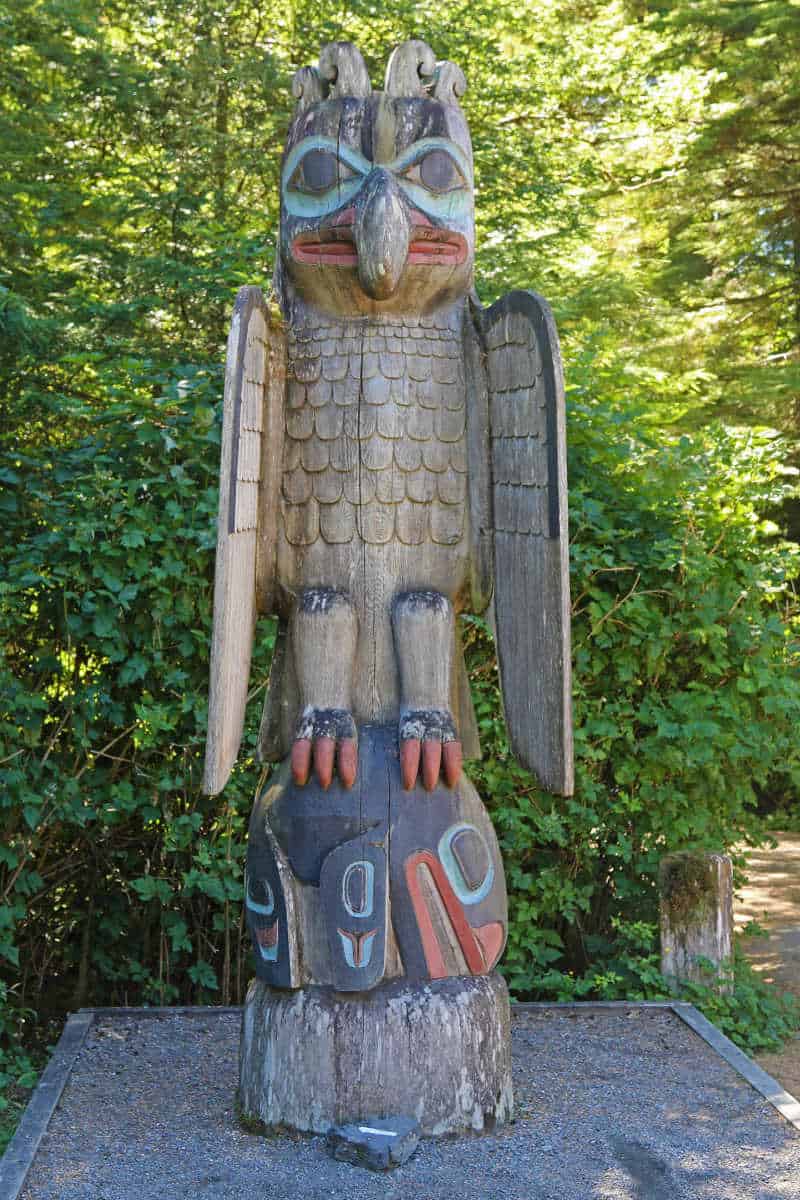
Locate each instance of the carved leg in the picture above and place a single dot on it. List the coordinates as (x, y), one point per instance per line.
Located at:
(324, 630)
(424, 639)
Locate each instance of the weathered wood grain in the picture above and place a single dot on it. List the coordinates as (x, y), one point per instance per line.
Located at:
(479, 476)
(697, 918)
(439, 1053)
(531, 578)
(401, 456)
(252, 343)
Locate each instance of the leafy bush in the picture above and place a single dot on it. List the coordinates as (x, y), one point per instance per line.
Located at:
(19, 1068)
(753, 1014)
(119, 880)
(687, 694)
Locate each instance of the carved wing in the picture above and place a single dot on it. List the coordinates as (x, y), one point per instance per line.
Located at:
(531, 565)
(249, 479)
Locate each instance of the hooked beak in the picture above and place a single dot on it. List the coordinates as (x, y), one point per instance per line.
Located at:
(382, 232)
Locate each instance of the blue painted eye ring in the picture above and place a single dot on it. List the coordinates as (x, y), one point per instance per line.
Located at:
(452, 205)
(466, 894)
(346, 154)
(420, 149)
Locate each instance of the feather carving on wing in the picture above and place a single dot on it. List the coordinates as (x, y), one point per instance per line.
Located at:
(252, 425)
(529, 501)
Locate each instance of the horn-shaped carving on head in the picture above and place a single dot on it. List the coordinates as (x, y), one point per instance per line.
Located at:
(413, 71)
(343, 70)
(451, 83)
(410, 69)
(307, 88)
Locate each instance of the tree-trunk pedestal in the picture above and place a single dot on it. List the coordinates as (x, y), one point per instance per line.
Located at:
(439, 1052)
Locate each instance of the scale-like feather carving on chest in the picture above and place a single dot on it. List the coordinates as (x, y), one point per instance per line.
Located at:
(375, 433)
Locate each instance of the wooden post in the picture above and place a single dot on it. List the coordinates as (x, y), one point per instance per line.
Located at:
(697, 918)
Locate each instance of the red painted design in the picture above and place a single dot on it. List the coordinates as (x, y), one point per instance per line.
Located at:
(429, 247)
(346, 217)
(491, 938)
(357, 941)
(337, 250)
(470, 946)
(334, 244)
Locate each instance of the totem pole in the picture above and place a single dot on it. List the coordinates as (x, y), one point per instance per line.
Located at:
(392, 455)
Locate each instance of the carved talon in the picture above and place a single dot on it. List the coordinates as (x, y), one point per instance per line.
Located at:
(320, 732)
(409, 761)
(431, 762)
(323, 760)
(348, 761)
(428, 739)
(301, 761)
(452, 759)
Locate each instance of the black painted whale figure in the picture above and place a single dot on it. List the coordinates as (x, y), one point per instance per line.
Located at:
(392, 455)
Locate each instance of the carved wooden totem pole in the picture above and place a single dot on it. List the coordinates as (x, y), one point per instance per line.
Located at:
(392, 455)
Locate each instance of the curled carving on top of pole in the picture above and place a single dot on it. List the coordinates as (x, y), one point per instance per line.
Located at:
(451, 83)
(307, 88)
(343, 70)
(410, 70)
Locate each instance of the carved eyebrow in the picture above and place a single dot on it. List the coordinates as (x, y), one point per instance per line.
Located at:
(419, 149)
(340, 150)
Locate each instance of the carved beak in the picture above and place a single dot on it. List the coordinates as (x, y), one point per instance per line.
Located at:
(382, 231)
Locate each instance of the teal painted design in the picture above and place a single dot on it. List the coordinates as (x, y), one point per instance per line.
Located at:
(453, 205)
(465, 893)
(304, 204)
(448, 207)
(268, 942)
(264, 910)
(367, 872)
(417, 151)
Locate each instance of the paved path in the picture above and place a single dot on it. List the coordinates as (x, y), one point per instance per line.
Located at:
(772, 897)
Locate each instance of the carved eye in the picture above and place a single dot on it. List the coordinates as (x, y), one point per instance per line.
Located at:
(437, 172)
(319, 171)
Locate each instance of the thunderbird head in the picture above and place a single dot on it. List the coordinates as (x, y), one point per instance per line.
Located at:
(377, 187)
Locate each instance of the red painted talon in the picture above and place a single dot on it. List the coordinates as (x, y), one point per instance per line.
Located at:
(452, 759)
(323, 759)
(431, 762)
(301, 761)
(348, 761)
(409, 762)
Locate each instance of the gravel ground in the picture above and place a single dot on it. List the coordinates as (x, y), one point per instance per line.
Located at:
(623, 1105)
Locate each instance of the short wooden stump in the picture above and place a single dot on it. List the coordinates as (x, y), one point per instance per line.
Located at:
(439, 1052)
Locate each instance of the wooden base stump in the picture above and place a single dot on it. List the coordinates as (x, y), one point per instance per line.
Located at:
(439, 1052)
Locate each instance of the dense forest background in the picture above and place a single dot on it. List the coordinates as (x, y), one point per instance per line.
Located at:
(637, 163)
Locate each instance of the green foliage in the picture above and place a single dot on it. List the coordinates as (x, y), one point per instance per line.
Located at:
(753, 1014)
(18, 1067)
(687, 694)
(116, 868)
